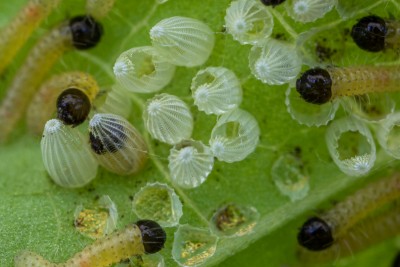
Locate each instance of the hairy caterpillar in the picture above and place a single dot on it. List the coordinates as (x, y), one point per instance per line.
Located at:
(39, 110)
(14, 35)
(362, 235)
(318, 86)
(142, 237)
(81, 32)
(320, 233)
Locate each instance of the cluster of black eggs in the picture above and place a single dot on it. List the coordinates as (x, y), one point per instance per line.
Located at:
(73, 105)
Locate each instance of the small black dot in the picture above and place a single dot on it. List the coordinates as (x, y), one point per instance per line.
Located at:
(272, 2)
(314, 86)
(73, 106)
(86, 32)
(315, 234)
(369, 33)
(153, 236)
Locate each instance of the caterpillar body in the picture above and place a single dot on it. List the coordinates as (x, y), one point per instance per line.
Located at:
(81, 32)
(144, 236)
(318, 86)
(15, 34)
(40, 111)
(356, 222)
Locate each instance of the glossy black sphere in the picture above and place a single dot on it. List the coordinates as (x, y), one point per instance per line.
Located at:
(73, 106)
(369, 33)
(315, 85)
(272, 2)
(153, 236)
(113, 139)
(315, 234)
(86, 32)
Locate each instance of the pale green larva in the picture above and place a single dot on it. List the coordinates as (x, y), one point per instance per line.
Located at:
(117, 145)
(235, 136)
(308, 10)
(216, 90)
(183, 41)
(248, 21)
(66, 155)
(168, 119)
(116, 103)
(352, 158)
(142, 237)
(274, 62)
(143, 70)
(190, 162)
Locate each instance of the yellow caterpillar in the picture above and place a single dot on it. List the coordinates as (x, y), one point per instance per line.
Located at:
(14, 35)
(144, 236)
(319, 86)
(342, 229)
(81, 32)
(43, 104)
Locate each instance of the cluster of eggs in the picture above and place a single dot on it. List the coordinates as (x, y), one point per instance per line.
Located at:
(183, 41)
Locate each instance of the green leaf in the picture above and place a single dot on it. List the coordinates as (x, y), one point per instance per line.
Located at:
(37, 215)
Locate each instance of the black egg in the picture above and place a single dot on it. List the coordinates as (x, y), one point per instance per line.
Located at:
(272, 2)
(86, 32)
(153, 236)
(73, 106)
(315, 234)
(369, 33)
(112, 139)
(315, 85)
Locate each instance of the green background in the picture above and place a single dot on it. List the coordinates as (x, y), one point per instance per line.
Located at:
(37, 215)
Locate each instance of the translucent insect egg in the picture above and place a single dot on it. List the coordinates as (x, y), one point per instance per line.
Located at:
(168, 119)
(310, 115)
(373, 107)
(274, 62)
(233, 220)
(143, 70)
(117, 145)
(308, 10)
(116, 103)
(190, 162)
(183, 41)
(193, 246)
(389, 135)
(66, 155)
(351, 146)
(248, 21)
(235, 136)
(216, 90)
(158, 202)
(98, 221)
